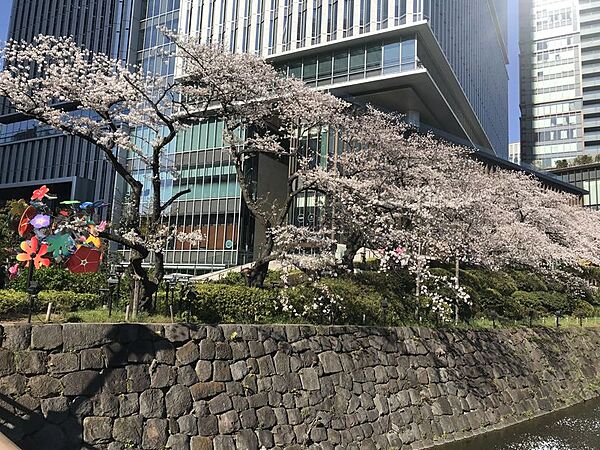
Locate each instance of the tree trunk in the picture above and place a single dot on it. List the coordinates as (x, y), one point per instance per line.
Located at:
(352, 249)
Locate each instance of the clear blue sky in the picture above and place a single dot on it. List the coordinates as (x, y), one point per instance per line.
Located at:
(513, 50)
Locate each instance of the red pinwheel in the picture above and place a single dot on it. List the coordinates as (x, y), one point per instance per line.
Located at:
(84, 260)
(32, 251)
(40, 193)
(24, 224)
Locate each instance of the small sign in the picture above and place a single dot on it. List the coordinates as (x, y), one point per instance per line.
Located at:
(228, 243)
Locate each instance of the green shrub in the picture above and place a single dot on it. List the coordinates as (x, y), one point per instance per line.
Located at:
(528, 281)
(493, 302)
(59, 279)
(219, 303)
(14, 302)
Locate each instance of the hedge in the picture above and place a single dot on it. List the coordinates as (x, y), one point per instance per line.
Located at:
(13, 302)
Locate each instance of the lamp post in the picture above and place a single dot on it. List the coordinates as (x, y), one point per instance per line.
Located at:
(104, 293)
(113, 282)
(173, 285)
(558, 316)
(32, 291)
(384, 308)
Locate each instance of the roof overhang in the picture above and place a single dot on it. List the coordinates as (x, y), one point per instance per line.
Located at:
(432, 89)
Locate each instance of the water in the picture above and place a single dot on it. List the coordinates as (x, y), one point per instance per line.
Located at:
(575, 428)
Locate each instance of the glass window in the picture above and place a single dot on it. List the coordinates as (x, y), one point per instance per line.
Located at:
(373, 60)
(310, 69)
(391, 57)
(296, 70)
(340, 63)
(325, 66)
(357, 63)
(408, 54)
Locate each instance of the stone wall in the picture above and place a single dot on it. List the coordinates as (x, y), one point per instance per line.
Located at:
(248, 387)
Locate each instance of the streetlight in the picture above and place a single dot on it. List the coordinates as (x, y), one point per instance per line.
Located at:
(113, 282)
(103, 294)
(32, 290)
(384, 307)
(558, 316)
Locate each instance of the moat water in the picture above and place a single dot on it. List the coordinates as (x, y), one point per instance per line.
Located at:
(575, 428)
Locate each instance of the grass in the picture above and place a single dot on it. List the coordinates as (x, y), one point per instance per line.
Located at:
(100, 315)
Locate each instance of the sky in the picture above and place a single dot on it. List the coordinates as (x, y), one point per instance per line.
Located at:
(513, 55)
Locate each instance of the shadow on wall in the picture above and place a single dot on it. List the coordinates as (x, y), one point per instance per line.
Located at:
(112, 387)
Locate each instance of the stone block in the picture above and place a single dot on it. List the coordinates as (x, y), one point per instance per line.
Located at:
(77, 336)
(16, 337)
(266, 417)
(208, 426)
(202, 391)
(155, 434)
(223, 351)
(246, 440)
(178, 401)
(224, 443)
(248, 419)
(84, 382)
(239, 370)
(187, 376)
(92, 358)
(229, 422)
(207, 349)
(220, 404)
(162, 376)
(128, 430)
(152, 404)
(201, 443)
(310, 379)
(115, 380)
(138, 378)
(44, 386)
(177, 332)
(46, 337)
(105, 405)
(81, 407)
(178, 441)
(97, 430)
(7, 362)
(32, 362)
(55, 409)
(204, 370)
(187, 354)
(128, 404)
(140, 351)
(188, 425)
(164, 352)
(221, 371)
(330, 362)
(63, 362)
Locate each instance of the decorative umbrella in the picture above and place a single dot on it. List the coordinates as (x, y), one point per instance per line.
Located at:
(84, 260)
(24, 225)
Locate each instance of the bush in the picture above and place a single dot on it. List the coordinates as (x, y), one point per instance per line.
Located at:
(218, 303)
(528, 281)
(59, 279)
(13, 302)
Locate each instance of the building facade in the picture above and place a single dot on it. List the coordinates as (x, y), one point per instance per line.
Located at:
(441, 63)
(31, 153)
(585, 177)
(560, 80)
(514, 152)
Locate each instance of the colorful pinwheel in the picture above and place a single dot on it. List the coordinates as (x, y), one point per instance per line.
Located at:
(94, 240)
(32, 251)
(40, 221)
(102, 226)
(84, 260)
(40, 193)
(60, 245)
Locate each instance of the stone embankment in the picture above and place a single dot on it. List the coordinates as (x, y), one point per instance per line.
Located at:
(288, 387)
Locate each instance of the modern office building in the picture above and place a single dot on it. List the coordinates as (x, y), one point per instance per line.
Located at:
(514, 152)
(560, 80)
(31, 153)
(585, 177)
(441, 63)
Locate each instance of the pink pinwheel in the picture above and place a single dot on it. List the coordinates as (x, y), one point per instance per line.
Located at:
(40, 193)
(40, 221)
(102, 226)
(13, 271)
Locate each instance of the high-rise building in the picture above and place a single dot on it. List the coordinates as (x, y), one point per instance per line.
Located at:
(441, 63)
(514, 153)
(32, 153)
(560, 80)
(418, 57)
